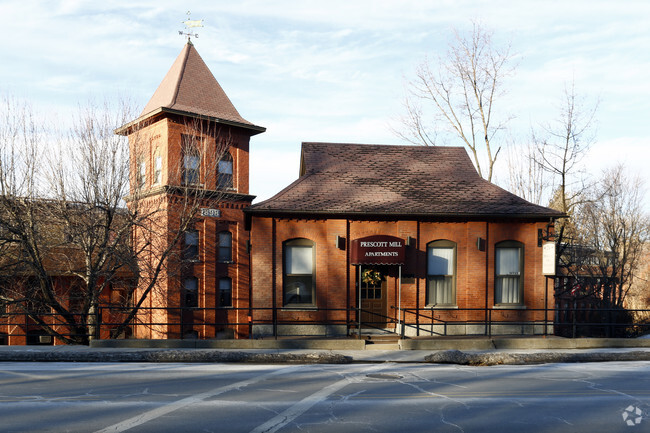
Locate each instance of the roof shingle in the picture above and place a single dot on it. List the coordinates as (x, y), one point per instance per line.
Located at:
(440, 181)
(190, 87)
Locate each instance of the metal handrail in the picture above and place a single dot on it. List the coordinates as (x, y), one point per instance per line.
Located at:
(416, 319)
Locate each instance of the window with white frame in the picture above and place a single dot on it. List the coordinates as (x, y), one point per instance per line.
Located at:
(441, 273)
(508, 275)
(299, 273)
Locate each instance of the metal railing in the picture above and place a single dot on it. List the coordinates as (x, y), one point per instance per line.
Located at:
(182, 322)
(571, 321)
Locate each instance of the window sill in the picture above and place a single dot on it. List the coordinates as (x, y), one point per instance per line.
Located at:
(299, 308)
(509, 307)
(228, 307)
(443, 307)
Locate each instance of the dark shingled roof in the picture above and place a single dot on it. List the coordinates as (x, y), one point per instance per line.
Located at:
(418, 181)
(189, 88)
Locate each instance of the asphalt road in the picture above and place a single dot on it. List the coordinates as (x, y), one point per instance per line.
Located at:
(388, 397)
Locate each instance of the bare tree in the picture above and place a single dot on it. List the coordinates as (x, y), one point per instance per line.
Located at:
(463, 91)
(526, 177)
(192, 185)
(615, 229)
(561, 146)
(67, 237)
(550, 170)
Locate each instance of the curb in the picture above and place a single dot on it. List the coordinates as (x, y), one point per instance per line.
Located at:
(171, 355)
(486, 359)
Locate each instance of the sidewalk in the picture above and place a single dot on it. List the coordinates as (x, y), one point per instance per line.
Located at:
(297, 355)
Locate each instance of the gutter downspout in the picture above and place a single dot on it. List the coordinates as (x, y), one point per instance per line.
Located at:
(488, 330)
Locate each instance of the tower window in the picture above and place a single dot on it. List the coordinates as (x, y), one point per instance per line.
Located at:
(191, 163)
(157, 169)
(225, 247)
(142, 173)
(191, 247)
(225, 171)
(225, 292)
(190, 292)
(191, 160)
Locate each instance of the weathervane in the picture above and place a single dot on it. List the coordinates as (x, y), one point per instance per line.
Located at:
(190, 24)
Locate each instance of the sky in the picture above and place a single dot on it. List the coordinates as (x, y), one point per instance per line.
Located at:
(334, 71)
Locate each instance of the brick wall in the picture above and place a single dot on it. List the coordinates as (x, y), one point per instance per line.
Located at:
(336, 278)
(163, 136)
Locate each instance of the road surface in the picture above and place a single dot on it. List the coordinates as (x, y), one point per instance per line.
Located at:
(388, 397)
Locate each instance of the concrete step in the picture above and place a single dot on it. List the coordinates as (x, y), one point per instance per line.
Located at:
(383, 346)
(382, 342)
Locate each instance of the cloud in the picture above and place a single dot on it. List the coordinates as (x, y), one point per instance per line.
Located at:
(315, 70)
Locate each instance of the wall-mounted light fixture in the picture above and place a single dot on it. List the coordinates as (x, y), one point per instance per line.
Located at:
(480, 244)
(340, 242)
(410, 241)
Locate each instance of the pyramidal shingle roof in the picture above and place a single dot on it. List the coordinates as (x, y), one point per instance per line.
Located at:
(189, 87)
(418, 181)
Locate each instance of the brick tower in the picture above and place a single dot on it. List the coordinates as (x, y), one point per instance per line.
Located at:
(189, 175)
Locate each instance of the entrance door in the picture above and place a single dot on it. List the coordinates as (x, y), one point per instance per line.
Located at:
(373, 302)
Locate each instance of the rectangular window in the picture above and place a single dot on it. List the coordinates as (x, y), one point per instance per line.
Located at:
(225, 247)
(157, 170)
(190, 292)
(191, 245)
(142, 173)
(224, 170)
(508, 275)
(191, 159)
(441, 287)
(225, 292)
(191, 163)
(299, 273)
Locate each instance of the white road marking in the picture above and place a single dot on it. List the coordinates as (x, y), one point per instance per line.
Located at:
(284, 418)
(170, 407)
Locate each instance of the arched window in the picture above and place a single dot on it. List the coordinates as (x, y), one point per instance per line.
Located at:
(225, 292)
(509, 273)
(225, 171)
(299, 273)
(441, 273)
(224, 250)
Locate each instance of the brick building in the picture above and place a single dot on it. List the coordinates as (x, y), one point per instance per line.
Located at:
(425, 238)
(189, 158)
(410, 234)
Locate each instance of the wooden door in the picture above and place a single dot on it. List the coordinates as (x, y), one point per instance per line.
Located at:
(373, 304)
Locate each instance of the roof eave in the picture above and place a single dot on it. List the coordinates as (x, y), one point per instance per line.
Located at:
(125, 129)
(401, 215)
